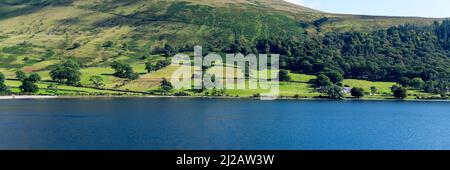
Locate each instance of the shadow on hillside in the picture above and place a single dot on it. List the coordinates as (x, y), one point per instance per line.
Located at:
(29, 7)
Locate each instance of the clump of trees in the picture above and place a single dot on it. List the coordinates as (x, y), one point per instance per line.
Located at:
(28, 82)
(124, 70)
(415, 52)
(330, 81)
(328, 78)
(150, 67)
(437, 87)
(415, 83)
(67, 72)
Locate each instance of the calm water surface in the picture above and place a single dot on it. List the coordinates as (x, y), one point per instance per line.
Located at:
(144, 123)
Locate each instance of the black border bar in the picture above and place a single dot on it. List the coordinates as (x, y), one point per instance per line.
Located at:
(167, 159)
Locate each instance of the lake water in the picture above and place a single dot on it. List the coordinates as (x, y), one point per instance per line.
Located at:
(151, 123)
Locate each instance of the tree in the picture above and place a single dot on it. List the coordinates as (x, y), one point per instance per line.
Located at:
(161, 64)
(334, 76)
(121, 69)
(3, 87)
(28, 87)
(374, 90)
(20, 75)
(283, 75)
(34, 78)
(417, 83)
(2, 78)
(149, 67)
(357, 92)
(66, 73)
(404, 81)
(322, 80)
(430, 87)
(28, 83)
(399, 92)
(124, 70)
(334, 92)
(97, 81)
(166, 86)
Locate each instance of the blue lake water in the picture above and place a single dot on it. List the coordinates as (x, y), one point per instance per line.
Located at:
(153, 124)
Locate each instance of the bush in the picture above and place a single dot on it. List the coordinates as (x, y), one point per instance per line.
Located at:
(181, 93)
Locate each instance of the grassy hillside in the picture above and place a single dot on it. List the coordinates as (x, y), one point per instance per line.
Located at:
(37, 34)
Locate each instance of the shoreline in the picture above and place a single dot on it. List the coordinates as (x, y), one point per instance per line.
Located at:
(13, 97)
(35, 97)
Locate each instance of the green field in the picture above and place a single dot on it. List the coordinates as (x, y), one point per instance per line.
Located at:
(62, 90)
(299, 87)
